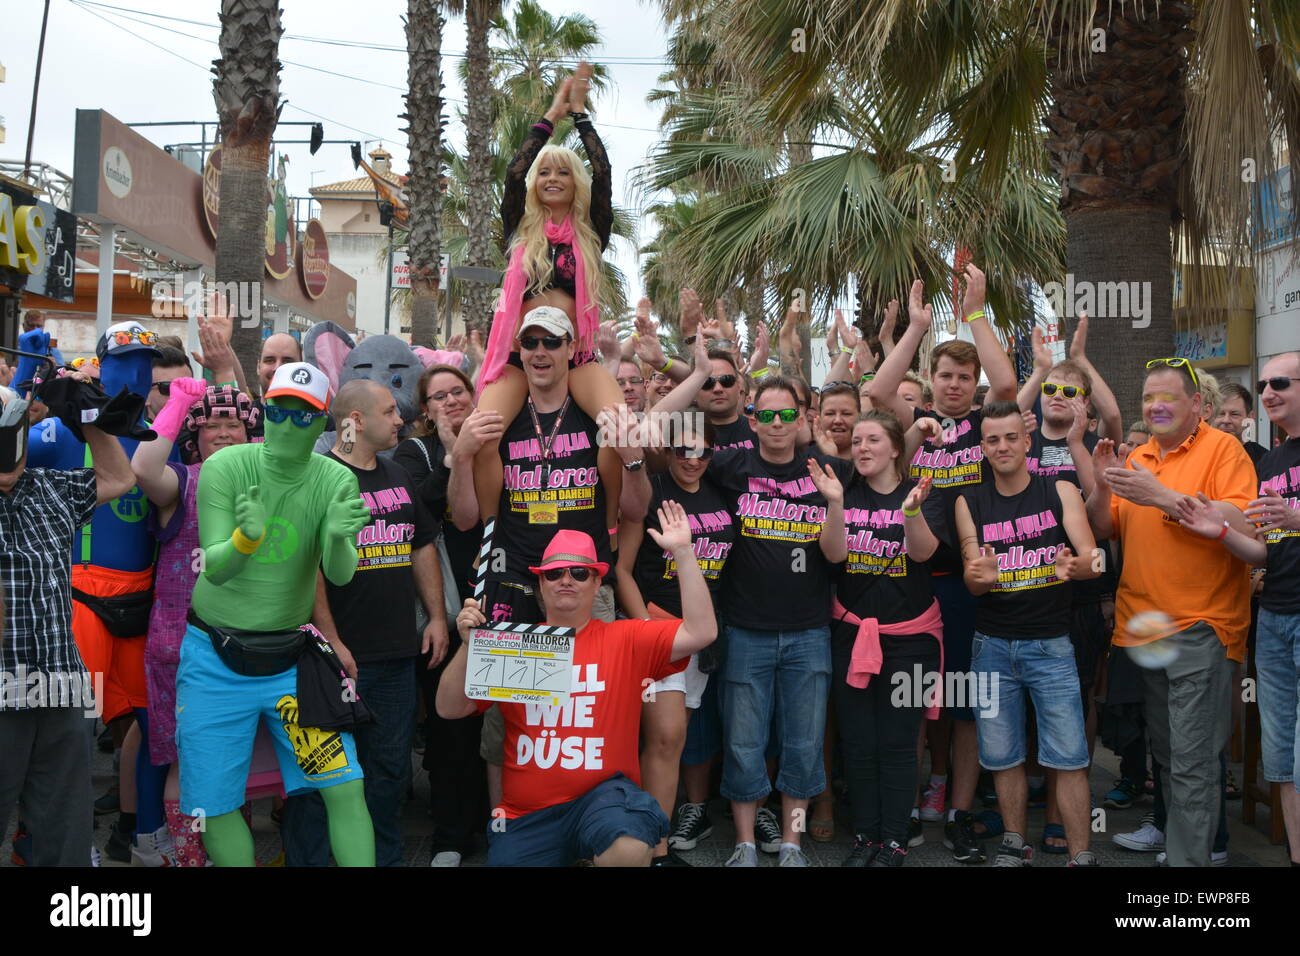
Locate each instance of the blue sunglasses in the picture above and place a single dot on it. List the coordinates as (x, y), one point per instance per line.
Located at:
(301, 417)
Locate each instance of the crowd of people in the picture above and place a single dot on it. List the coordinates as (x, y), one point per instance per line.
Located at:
(770, 585)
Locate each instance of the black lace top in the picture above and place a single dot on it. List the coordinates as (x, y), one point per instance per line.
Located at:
(563, 261)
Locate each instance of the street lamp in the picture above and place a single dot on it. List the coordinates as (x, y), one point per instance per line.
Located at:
(386, 219)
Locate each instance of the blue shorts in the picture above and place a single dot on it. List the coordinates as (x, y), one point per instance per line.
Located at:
(957, 606)
(1277, 665)
(704, 728)
(1005, 671)
(216, 720)
(581, 829)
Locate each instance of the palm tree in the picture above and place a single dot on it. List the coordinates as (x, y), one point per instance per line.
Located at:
(247, 95)
(1154, 113)
(424, 143)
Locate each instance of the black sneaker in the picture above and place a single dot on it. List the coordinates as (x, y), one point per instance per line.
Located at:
(692, 826)
(959, 836)
(767, 831)
(669, 859)
(988, 794)
(108, 803)
(862, 854)
(1009, 854)
(915, 832)
(118, 847)
(890, 855)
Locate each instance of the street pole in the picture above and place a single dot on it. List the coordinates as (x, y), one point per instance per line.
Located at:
(388, 279)
(36, 88)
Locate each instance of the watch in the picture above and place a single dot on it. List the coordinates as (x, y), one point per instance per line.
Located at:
(634, 465)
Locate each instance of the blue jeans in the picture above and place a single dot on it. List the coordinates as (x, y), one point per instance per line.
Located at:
(769, 672)
(1277, 667)
(1004, 670)
(388, 689)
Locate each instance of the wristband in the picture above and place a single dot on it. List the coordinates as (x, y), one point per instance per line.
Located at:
(244, 544)
(1224, 533)
(911, 514)
(973, 316)
(760, 373)
(231, 384)
(667, 366)
(845, 350)
(867, 377)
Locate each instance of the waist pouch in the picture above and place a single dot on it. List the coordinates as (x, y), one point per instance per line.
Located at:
(124, 615)
(254, 653)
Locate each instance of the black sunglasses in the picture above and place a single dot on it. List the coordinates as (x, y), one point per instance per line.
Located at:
(164, 388)
(552, 342)
(687, 453)
(578, 574)
(726, 381)
(1278, 383)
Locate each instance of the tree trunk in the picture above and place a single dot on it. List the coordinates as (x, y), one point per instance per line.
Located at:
(247, 95)
(478, 297)
(424, 183)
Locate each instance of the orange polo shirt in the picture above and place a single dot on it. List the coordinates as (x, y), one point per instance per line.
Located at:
(1168, 568)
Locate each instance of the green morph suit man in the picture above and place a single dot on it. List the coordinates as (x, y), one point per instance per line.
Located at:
(304, 511)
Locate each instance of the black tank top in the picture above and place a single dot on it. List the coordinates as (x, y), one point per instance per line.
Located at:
(1029, 601)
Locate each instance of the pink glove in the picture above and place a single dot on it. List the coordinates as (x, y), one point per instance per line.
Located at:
(184, 393)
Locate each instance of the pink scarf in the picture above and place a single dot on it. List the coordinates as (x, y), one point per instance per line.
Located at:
(865, 661)
(505, 323)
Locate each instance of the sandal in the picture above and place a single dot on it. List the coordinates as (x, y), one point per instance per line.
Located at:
(1054, 831)
(822, 830)
(992, 823)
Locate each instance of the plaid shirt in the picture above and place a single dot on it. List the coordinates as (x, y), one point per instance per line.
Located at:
(37, 522)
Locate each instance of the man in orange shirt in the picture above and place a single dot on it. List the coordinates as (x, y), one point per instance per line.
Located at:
(1197, 582)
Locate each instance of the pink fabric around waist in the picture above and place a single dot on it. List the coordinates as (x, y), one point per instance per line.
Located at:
(865, 661)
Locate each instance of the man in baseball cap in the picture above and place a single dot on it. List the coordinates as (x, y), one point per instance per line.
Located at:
(574, 793)
(549, 320)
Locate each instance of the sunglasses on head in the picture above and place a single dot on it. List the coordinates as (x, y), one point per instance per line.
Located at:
(766, 415)
(1069, 391)
(1176, 362)
(689, 453)
(552, 342)
(302, 417)
(726, 381)
(127, 336)
(1278, 383)
(578, 574)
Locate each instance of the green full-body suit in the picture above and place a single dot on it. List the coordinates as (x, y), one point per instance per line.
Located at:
(304, 510)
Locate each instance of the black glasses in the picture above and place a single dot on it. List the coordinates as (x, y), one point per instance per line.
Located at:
(1177, 362)
(578, 574)
(165, 388)
(726, 381)
(456, 392)
(688, 453)
(1069, 391)
(552, 342)
(1278, 383)
(766, 415)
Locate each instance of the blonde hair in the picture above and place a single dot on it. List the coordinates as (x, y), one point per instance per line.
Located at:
(1211, 397)
(531, 232)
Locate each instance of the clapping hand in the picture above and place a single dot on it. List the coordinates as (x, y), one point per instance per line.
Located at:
(984, 569)
(827, 482)
(674, 532)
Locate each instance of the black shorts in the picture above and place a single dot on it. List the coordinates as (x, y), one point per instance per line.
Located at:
(1089, 639)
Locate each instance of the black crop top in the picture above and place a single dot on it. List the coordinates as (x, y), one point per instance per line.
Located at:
(563, 261)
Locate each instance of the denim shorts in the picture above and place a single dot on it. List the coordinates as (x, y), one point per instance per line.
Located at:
(766, 674)
(1004, 671)
(1277, 669)
(581, 829)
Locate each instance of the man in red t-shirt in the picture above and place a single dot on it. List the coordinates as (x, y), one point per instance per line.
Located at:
(572, 773)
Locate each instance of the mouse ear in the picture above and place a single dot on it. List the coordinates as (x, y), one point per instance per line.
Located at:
(326, 345)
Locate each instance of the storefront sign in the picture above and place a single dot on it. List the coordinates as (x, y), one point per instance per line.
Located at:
(314, 259)
(38, 245)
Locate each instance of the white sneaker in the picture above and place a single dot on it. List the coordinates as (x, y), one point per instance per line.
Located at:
(154, 849)
(1146, 839)
(745, 854)
(445, 858)
(792, 856)
(96, 858)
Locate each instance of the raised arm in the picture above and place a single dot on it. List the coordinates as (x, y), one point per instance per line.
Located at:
(884, 390)
(834, 544)
(993, 358)
(921, 542)
(630, 534)
(149, 463)
(683, 396)
(1098, 504)
(1028, 393)
(516, 188)
(699, 625)
(1109, 424)
(602, 181)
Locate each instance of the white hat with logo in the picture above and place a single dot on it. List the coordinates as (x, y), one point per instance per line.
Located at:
(301, 380)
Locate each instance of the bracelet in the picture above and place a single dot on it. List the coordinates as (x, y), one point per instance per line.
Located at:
(667, 366)
(244, 544)
(761, 372)
(973, 316)
(845, 350)
(1224, 533)
(911, 514)
(867, 377)
(578, 117)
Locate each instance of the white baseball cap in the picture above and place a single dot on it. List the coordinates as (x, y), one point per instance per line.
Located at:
(550, 318)
(301, 380)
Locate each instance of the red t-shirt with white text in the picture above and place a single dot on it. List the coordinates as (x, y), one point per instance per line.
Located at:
(556, 754)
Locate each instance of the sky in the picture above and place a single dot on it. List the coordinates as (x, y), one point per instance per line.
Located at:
(162, 74)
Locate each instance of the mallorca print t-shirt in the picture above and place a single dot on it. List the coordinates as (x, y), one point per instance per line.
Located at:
(1279, 474)
(712, 535)
(540, 497)
(1051, 458)
(1028, 600)
(737, 434)
(374, 613)
(776, 577)
(879, 579)
(554, 754)
(953, 468)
